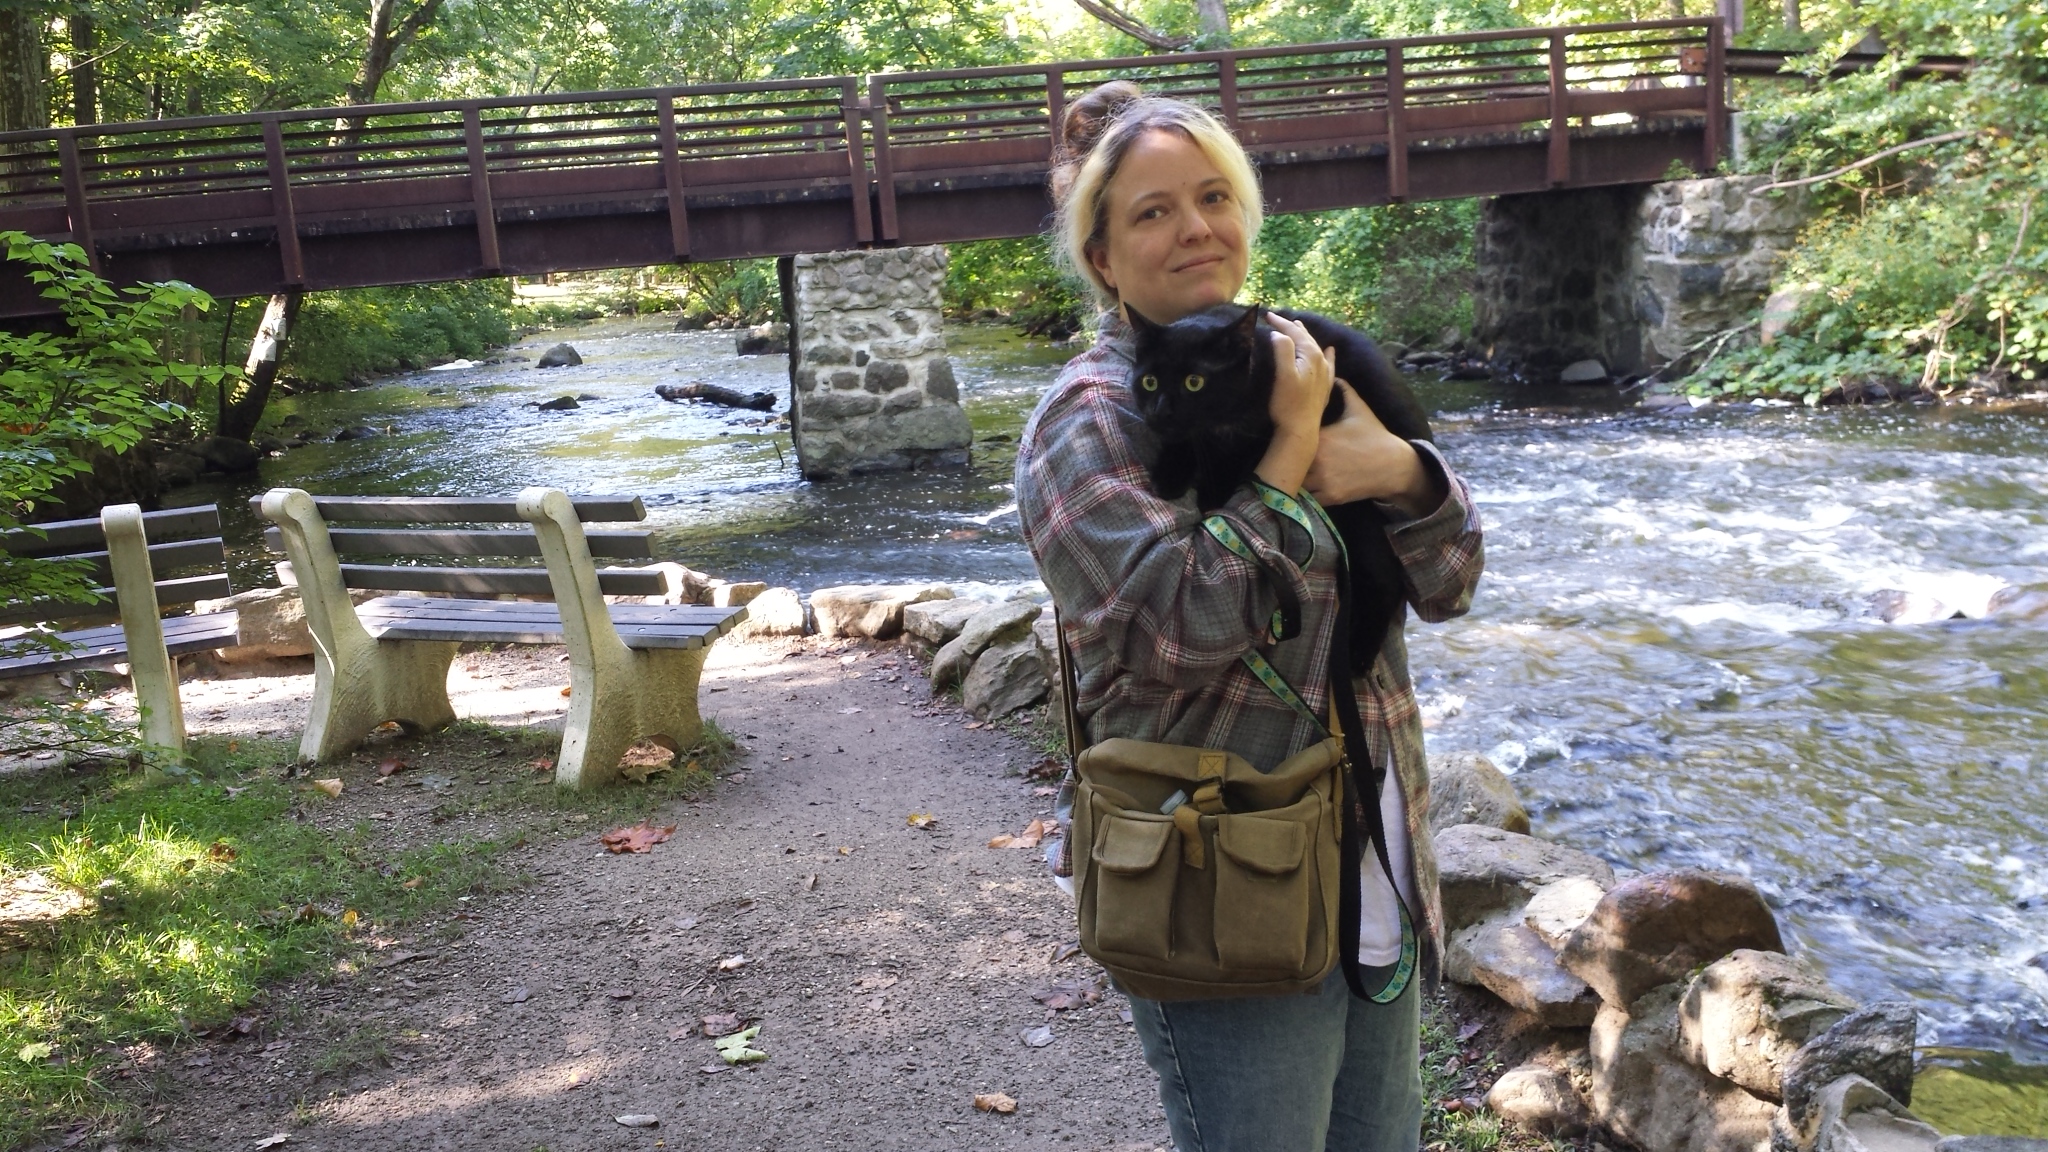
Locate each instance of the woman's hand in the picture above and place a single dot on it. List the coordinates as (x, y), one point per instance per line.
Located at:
(1358, 459)
(1302, 375)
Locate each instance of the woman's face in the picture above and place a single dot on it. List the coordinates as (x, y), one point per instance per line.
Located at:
(1173, 230)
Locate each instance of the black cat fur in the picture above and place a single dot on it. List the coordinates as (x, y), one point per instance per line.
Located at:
(1212, 436)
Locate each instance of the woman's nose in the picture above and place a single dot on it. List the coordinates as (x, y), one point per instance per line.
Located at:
(1194, 227)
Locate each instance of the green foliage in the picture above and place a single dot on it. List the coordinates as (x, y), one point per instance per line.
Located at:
(196, 895)
(347, 335)
(1016, 278)
(1402, 272)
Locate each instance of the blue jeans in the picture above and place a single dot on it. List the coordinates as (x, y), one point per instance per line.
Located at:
(1320, 1072)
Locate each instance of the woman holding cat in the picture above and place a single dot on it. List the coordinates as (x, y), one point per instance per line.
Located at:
(1157, 207)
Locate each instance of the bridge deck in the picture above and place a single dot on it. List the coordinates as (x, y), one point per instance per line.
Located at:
(404, 193)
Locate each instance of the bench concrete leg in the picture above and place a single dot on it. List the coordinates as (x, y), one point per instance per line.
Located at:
(151, 671)
(648, 694)
(370, 683)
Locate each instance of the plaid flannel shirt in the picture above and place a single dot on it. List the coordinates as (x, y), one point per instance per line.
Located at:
(1157, 613)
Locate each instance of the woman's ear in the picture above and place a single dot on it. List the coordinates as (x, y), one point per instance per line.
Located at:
(1098, 259)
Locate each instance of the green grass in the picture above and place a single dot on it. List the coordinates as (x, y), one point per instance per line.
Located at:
(1447, 1075)
(194, 895)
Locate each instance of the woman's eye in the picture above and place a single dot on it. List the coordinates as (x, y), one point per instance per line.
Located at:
(1149, 383)
(1192, 383)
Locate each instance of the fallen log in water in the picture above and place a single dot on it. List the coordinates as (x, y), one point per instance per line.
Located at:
(760, 401)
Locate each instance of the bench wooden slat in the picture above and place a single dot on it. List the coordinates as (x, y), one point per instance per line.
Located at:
(466, 620)
(187, 589)
(623, 544)
(106, 645)
(183, 590)
(460, 509)
(209, 552)
(63, 537)
(393, 607)
(494, 581)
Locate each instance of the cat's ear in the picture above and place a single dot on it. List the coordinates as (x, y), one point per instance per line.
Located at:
(1247, 325)
(1143, 327)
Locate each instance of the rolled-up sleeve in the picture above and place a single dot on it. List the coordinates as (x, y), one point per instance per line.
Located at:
(1442, 553)
(1172, 603)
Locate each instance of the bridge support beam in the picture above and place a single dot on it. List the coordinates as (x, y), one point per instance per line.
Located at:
(871, 389)
(1637, 277)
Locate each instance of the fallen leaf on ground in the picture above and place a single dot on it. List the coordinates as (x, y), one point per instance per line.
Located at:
(34, 1053)
(349, 917)
(920, 819)
(734, 1049)
(972, 724)
(1062, 951)
(1070, 994)
(391, 767)
(1033, 832)
(641, 837)
(810, 882)
(995, 1102)
(544, 764)
(714, 1069)
(640, 1120)
(1045, 790)
(620, 993)
(414, 882)
(565, 691)
(1002, 841)
(723, 1024)
(845, 851)
(1037, 1037)
(221, 851)
(273, 1140)
(1469, 1030)
(331, 786)
(733, 963)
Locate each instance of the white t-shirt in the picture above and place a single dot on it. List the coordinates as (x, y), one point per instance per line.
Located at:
(1379, 917)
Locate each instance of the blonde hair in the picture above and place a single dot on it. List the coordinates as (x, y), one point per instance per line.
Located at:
(1096, 133)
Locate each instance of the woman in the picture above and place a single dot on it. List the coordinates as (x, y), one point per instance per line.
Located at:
(1157, 208)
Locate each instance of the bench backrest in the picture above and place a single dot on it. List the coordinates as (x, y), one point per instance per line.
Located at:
(186, 557)
(396, 534)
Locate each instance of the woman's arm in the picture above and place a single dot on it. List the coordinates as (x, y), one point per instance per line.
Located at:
(1174, 604)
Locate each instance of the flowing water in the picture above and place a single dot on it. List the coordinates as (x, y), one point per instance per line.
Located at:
(1672, 649)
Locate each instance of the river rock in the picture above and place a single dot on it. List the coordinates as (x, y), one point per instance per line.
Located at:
(1583, 372)
(1503, 955)
(175, 468)
(694, 322)
(355, 432)
(2019, 602)
(998, 624)
(1486, 870)
(1006, 678)
(1781, 308)
(1559, 907)
(1465, 788)
(764, 339)
(227, 454)
(1874, 1042)
(558, 404)
(1854, 1115)
(949, 665)
(871, 610)
(1652, 929)
(1746, 1014)
(270, 622)
(775, 612)
(1896, 606)
(680, 585)
(937, 621)
(1649, 1095)
(560, 356)
(1542, 1100)
(732, 594)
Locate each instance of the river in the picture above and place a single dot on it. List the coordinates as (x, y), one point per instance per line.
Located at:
(1672, 649)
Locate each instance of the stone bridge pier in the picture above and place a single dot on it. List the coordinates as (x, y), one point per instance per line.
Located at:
(871, 389)
(1633, 276)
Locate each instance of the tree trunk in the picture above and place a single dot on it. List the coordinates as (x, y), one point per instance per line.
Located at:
(85, 73)
(712, 393)
(1791, 15)
(384, 44)
(1214, 19)
(24, 68)
(266, 351)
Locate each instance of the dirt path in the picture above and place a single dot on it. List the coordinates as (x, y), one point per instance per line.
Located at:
(890, 989)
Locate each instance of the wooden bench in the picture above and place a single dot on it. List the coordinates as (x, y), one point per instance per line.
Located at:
(633, 668)
(127, 548)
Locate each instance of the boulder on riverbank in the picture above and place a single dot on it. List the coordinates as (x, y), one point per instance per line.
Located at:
(1653, 929)
(1466, 788)
(763, 339)
(871, 610)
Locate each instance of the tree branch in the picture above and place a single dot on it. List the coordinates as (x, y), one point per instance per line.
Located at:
(1130, 26)
(1845, 169)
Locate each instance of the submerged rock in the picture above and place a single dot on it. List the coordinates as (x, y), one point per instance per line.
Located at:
(560, 356)
(1656, 928)
(558, 404)
(763, 339)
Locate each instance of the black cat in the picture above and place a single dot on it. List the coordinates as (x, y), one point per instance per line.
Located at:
(1203, 384)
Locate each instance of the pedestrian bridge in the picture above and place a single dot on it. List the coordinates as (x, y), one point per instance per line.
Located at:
(322, 198)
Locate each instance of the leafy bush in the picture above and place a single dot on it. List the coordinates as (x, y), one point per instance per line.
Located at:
(1017, 278)
(1402, 272)
(347, 335)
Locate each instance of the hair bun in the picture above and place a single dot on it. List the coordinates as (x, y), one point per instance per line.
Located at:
(1087, 117)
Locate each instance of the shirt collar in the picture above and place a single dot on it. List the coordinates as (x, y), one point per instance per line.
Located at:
(1114, 335)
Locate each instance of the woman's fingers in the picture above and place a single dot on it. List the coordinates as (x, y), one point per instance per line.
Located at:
(1301, 376)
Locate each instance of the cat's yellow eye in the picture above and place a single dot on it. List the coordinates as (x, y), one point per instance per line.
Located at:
(1194, 383)
(1149, 383)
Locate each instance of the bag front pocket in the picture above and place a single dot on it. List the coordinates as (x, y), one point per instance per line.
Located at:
(1134, 875)
(1262, 890)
